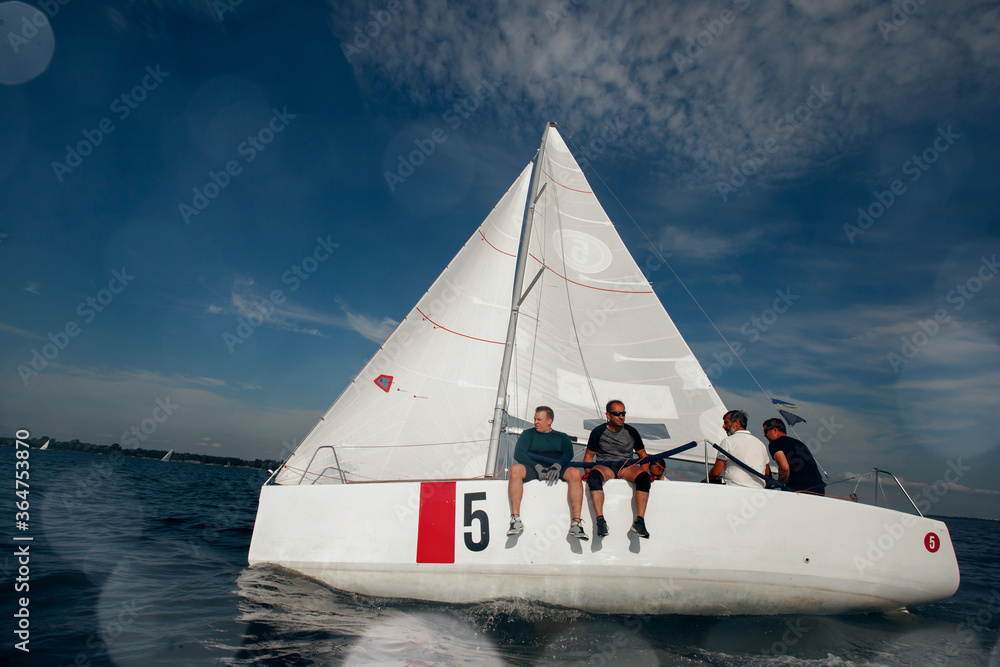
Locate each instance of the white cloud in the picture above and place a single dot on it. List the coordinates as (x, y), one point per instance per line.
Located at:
(611, 59)
(372, 329)
(6, 328)
(248, 302)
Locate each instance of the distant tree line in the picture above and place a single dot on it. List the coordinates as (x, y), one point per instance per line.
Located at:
(139, 453)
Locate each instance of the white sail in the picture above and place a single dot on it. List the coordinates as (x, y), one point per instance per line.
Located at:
(592, 329)
(168, 455)
(421, 407)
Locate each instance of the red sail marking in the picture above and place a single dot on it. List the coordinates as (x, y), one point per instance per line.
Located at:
(599, 289)
(586, 192)
(436, 526)
(484, 340)
(493, 246)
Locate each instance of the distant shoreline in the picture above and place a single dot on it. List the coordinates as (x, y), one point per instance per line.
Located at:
(139, 453)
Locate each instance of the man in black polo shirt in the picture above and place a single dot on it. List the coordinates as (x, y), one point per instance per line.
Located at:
(797, 468)
(612, 445)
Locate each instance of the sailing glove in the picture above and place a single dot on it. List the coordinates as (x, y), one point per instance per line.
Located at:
(555, 472)
(540, 470)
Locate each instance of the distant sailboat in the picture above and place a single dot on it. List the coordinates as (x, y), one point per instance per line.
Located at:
(46, 445)
(386, 495)
(166, 457)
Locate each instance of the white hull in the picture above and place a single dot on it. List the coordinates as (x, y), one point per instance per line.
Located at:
(713, 549)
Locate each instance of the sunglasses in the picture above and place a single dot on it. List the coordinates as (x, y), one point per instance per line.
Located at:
(618, 414)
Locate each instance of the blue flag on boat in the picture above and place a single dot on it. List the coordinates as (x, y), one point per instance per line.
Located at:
(784, 404)
(791, 418)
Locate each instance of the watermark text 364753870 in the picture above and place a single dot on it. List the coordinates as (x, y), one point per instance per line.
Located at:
(22, 505)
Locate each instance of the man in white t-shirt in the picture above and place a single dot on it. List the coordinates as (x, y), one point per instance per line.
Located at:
(744, 447)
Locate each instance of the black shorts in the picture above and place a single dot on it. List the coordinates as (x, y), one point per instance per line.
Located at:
(615, 466)
(530, 473)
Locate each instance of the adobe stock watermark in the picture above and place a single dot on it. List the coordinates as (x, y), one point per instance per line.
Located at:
(122, 107)
(713, 30)
(893, 532)
(914, 168)
(455, 117)
(87, 309)
(364, 36)
(535, 541)
(19, 36)
(750, 508)
(793, 634)
(752, 329)
(147, 427)
(973, 623)
(655, 261)
(963, 293)
(293, 277)
(248, 149)
(901, 13)
(785, 127)
(569, 348)
(966, 291)
(611, 131)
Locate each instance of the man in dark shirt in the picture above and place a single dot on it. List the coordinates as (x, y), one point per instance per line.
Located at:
(542, 440)
(797, 468)
(612, 445)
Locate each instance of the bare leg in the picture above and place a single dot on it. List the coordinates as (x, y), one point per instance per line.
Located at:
(575, 492)
(515, 487)
(641, 498)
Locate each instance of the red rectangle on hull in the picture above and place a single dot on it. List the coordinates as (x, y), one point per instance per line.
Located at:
(436, 527)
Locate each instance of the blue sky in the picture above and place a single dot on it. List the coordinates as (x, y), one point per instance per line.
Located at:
(170, 168)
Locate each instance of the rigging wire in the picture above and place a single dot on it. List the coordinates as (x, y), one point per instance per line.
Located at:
(679, 281)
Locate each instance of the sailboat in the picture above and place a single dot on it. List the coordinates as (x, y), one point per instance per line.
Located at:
(399, 490)
(46, 445)
(168, 455)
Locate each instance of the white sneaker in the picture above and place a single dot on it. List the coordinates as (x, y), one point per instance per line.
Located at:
(516, 527)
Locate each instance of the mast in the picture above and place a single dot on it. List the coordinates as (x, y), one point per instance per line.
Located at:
(515, 307)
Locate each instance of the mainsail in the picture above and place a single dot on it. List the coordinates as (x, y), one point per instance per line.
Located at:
(590, 329)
